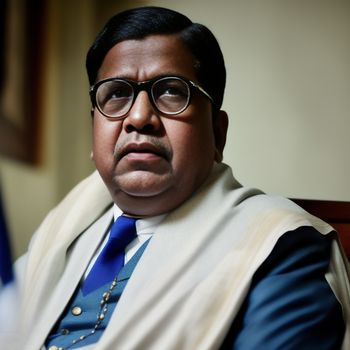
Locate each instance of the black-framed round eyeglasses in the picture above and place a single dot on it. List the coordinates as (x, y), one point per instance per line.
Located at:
(170, 95)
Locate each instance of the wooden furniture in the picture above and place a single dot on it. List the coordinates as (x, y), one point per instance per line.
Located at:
(336, 213)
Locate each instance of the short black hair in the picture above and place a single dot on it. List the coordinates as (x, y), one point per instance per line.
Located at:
(140, 22)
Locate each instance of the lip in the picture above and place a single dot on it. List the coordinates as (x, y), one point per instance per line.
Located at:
(142, 149)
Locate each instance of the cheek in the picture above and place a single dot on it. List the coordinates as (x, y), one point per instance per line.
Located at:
(192, 142)
(105, 135)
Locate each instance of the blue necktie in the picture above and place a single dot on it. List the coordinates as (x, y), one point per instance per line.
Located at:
(111, 259)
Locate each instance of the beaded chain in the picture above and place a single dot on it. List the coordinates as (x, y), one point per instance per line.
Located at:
(100, 315)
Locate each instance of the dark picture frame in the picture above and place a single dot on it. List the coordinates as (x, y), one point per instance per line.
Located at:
(22, 58)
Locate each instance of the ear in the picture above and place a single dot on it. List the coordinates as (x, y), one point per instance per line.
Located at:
(220, 125)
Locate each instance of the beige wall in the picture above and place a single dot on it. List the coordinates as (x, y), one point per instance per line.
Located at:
(31, 191)
(288, 97)
(288, 93)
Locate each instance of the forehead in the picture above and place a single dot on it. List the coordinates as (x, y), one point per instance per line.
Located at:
(147, 58)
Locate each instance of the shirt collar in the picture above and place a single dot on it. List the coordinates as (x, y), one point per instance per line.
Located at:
(144, 225)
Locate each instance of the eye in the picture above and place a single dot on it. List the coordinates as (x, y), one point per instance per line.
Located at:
(170, 89)
(117, 91)
(171, 95)
(114, 92)
(173, 91)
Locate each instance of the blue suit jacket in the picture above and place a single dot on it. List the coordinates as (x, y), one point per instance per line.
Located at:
(290, 305)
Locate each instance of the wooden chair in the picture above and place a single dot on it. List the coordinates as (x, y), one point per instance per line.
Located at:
(336, 213)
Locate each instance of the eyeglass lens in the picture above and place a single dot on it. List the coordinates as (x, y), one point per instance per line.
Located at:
(114, 98)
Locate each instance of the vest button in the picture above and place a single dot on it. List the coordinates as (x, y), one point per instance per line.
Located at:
(77, 311)
(54, 347)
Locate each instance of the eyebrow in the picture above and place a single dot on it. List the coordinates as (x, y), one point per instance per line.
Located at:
(159, 76)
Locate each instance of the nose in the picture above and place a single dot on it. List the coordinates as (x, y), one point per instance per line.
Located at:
(142, 116)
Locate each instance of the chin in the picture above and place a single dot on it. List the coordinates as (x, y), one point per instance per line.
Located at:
(143, 206)
(144, 184)
(149, 194)
(148, 201)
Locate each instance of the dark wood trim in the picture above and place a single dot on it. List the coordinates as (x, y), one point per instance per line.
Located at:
(330, 211)
(336, 213)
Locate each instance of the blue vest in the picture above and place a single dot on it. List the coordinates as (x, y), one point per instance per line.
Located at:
(80, 315)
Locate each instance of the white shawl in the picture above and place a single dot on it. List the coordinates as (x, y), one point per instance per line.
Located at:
(219, 237)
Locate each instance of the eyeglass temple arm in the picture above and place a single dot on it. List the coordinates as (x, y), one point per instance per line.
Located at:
(202, 91)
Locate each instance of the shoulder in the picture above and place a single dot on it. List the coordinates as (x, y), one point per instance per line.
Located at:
(290, 304)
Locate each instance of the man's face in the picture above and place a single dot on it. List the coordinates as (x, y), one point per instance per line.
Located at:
(151, 162)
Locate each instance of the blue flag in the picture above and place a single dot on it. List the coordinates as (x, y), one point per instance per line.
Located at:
(6, 272)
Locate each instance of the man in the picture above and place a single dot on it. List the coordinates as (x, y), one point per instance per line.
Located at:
(214, 265)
